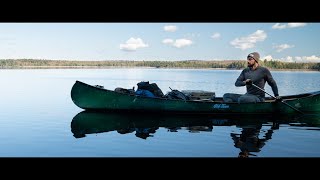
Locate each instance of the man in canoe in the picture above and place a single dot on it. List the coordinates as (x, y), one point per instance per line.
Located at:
(253, 74)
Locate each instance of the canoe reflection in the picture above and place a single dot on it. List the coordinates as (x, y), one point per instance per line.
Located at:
(253, 132)
(144, 126)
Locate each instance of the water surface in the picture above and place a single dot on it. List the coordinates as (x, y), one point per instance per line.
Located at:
(39, 119)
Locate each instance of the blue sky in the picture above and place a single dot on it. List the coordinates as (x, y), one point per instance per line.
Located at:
(290, 42)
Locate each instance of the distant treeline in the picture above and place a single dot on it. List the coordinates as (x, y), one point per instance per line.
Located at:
(192, 64)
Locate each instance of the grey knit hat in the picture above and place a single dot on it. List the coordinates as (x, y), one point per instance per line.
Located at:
(255, 56)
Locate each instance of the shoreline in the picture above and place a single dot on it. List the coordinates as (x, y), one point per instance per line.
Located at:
(135, 67)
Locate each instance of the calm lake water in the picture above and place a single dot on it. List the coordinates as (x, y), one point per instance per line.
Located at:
(39, 119)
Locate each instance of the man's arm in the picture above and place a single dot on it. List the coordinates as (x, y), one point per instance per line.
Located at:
(240, 81)
(272, 83)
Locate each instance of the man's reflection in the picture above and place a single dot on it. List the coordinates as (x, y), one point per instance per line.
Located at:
(249, 141)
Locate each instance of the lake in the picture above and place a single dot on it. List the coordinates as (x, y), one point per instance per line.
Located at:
(39, 119)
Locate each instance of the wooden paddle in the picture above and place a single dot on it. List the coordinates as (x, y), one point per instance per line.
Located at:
(276, 98)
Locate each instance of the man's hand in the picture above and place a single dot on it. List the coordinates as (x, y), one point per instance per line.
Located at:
(278, 98)
(248, 82)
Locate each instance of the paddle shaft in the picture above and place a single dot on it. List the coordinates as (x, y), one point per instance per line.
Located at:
(276, 98)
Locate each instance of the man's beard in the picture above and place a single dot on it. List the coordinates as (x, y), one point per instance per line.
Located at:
(250, 65)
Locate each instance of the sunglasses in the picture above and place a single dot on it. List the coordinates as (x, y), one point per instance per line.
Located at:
(250, 58)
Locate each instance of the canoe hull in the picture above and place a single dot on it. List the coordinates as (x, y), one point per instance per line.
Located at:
(89, 97)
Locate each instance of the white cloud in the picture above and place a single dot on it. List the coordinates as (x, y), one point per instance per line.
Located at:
(170, 28)
(287, 59)
(282, 47)
(167, 41)
(133, 44)
(216, 36)
(268, 58)
(312, 58)
(249, 41)
(293, 25)
(298, 58)
(288, 25)
(278, 26)
(178, 43)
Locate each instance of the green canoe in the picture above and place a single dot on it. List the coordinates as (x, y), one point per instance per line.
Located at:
(91, 97)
